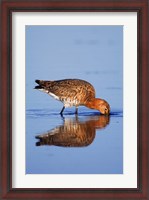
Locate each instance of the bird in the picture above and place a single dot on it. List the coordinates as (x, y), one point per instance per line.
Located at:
(73, 92)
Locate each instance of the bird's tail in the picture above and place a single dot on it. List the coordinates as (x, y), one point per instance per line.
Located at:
(38, 81)
(42, 84)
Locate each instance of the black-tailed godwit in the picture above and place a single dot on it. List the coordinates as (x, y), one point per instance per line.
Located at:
(74, 92)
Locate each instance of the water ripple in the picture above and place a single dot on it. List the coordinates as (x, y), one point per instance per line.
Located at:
(35, 113)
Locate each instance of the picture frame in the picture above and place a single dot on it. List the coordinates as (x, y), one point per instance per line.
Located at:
(7, 8)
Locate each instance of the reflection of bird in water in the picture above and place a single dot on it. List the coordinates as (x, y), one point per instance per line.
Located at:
(74, 132)
(74, 92)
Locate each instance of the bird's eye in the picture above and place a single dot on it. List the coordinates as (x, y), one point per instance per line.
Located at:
(105, 108)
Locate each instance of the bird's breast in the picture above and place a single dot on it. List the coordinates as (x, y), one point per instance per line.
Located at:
(69, 102)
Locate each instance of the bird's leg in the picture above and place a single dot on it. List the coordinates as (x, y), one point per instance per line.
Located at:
(62, 110)
(63, 118)
(76, 112)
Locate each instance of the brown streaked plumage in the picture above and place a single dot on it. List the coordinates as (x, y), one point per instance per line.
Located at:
(74, 92)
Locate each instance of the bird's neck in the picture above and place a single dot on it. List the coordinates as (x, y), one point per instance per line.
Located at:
(93, 103)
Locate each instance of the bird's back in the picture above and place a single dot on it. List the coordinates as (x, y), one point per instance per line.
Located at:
(69, 91)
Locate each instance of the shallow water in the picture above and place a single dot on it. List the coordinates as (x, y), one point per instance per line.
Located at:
(85, 144)
(88, 143)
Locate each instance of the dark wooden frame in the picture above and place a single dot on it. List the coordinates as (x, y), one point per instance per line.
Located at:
(9, 6)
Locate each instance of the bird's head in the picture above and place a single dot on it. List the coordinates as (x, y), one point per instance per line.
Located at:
(99, 104)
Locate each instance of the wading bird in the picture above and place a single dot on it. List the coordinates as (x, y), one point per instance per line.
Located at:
(74, 92)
